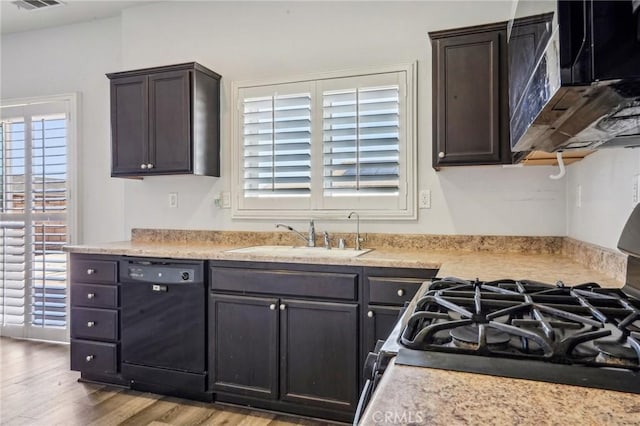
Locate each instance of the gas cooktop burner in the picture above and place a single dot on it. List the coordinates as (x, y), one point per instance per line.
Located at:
(468, 337)
(615, 353)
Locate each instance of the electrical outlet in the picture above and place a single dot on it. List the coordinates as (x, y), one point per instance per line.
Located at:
(173, 200)
(424, 200)
(226, 200)
(579, 196)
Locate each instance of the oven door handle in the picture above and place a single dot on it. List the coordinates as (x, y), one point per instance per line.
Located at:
(363, 401)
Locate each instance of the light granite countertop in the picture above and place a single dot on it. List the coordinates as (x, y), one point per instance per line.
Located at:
(413, 395)
(469, 265)
(428, 396)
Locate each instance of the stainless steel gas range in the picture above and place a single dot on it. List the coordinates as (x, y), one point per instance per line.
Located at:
(582, 335)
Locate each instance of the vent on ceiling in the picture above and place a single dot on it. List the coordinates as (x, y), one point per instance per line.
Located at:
(36, 4)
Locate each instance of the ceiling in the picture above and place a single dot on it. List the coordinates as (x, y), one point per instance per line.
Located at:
(14, 19)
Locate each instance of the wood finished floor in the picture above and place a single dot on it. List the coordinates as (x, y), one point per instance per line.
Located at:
(37, 388)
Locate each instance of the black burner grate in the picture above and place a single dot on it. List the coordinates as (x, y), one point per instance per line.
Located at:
(552, 323)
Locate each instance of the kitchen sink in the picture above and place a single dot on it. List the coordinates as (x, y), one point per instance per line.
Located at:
(299, 251)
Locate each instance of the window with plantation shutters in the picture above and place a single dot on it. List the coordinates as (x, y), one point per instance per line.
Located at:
(34, 220)
(324, 146)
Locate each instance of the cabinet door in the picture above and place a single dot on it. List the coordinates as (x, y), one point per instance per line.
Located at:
(319, 354)
(129, 137)
(467, 93)
(378, 324)
(169, 122)
(243, 345)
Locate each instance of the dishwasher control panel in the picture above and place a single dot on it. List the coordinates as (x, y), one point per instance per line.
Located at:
(162, 273)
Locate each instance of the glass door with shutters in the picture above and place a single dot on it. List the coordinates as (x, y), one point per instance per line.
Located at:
(33, 220)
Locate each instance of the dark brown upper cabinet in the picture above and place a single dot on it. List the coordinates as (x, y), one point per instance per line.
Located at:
(165, 120)
(470, 96)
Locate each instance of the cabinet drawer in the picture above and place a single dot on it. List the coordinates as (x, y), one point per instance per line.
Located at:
(94, 357)
(326, 285)
(94, 271)
(90, 323)
(393, 291)
(94, 296)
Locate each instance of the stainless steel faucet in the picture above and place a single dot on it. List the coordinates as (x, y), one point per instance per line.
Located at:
(327, 241)
(357, 246)
(310, 239)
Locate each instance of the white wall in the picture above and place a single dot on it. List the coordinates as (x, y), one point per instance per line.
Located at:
(606, 179)
(245, 41)
(69, 59)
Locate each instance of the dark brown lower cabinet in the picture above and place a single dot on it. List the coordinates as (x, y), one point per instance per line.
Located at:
(319, 354)
(296, 351)
(379, 323)
(95, 318)
(386, 290)
(273, 345)
(243, 345)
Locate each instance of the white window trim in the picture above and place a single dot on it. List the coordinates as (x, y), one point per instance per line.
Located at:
(409, 158)
(73, 219)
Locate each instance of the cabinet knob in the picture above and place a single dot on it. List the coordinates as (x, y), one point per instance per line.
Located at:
(91, 295)
(272, 306)
(91, 323)
(401, 292)
(441, 154)
(89, 358)
(370, 314)
(149, 166)
(91, 271)
(283, 306)
(143, 166)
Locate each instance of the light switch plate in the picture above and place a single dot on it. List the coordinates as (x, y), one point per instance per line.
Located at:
(424, 200)
(173, 200)
(226, 200)
(579, 196)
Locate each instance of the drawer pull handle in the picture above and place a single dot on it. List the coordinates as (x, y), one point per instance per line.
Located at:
(91, 323)
(89, 358)
(272, 306)
(283, 306)
(91, 296)
(143, 166)
(441, 154)
(370, 314)
(91, 271)
(149, 166)
(401, 292)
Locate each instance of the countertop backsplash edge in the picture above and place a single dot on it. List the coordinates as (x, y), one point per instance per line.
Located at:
(466, 243)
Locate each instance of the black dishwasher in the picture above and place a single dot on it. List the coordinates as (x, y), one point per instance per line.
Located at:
(163, 328)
